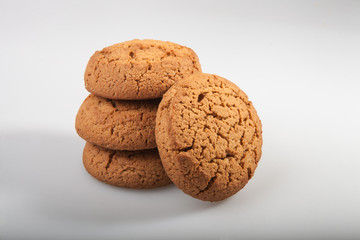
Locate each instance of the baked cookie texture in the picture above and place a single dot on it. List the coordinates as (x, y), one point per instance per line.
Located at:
(139, 69)
(130, 169)
(209, 136)
(117, 124)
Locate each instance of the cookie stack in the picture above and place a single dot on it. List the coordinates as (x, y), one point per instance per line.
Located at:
(153, 118)
(126, 82)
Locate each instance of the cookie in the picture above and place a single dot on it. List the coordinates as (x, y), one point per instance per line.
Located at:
(130, 169)
(117, 124)
(139, 69)
(209, 136)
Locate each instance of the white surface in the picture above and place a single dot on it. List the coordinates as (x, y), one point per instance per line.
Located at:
(297, 61)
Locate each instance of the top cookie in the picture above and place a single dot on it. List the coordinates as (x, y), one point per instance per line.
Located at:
(209, 136)
(139, 69)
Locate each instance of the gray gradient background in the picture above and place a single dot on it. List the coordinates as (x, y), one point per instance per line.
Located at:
(298, 61)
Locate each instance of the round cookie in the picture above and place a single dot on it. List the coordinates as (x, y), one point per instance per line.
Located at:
(139, 69)
(209, 136)
(130, 169)
(117, 124)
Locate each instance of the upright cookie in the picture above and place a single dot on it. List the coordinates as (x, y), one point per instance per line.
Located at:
(139, 69)
(209, 136)
(130, 169)
(117, 124)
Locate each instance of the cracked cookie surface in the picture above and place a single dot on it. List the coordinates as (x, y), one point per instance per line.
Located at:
(209, 136)
(130, 169)
(117, 124)
(139, 69)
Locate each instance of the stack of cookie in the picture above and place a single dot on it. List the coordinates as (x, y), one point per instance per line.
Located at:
(126, 82)
(153, 118)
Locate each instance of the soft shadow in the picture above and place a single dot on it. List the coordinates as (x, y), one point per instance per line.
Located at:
(46, 170)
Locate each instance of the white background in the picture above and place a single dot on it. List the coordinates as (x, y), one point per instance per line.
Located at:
(298, 61)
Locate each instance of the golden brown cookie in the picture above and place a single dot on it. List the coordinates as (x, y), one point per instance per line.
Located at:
(130, 169)
(209, 136)
(117, 124)
(139, 69)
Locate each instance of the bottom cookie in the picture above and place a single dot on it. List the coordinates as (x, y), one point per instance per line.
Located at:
(130, 169)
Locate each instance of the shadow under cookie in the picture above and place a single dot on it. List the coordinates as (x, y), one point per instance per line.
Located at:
(48, 189)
